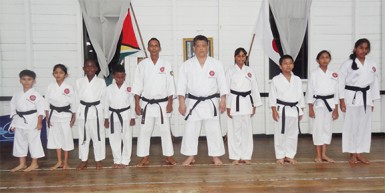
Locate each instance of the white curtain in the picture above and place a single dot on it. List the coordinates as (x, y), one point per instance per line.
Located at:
(104, 20)
(291, 17)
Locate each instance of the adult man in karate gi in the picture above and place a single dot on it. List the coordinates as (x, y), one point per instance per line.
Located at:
(202, 93)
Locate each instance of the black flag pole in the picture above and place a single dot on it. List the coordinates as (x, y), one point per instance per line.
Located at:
(137, 27)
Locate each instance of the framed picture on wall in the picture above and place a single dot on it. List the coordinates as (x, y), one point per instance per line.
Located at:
(188, 50)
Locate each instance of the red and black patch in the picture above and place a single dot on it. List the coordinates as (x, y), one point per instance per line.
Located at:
(66, 91)
(161, 69)
(335, 75)
(374, 69)
(128, 89)
(211, 73)
(32, 97)
(249, 75)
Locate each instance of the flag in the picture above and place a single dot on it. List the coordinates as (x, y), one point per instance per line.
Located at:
(129, 44)
(264, 35)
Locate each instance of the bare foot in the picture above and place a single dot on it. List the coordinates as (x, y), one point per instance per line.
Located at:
(353, 159)
(217, 161)
(19, 167)
(66, 167)
(31, 167)
(98, 165)
(143, 162)
(189, 161)
(327, 159)
(235, 162)
(318, 160)
(290, 160)
(122, 166)
(362, 159)
(247, 162)
(280, 161)
(82, 166)
(170, 161)
(56, 166)
(115, 166)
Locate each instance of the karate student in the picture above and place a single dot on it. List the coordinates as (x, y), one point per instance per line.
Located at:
(60, 113)
(322, 98)
(154, 89)
(242, 101)
(119, 117)
(90, 90)
(27, 113)
(287, 102)
(202, 94)
(358, 87)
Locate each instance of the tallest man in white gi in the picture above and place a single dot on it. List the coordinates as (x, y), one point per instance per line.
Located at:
(202, 81)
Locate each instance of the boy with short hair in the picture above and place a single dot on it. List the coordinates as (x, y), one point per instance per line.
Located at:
(119, 116)
(90, 90)
(27, 113)
(287, 102)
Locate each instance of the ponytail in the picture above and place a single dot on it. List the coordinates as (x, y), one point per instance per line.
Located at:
(354, 64)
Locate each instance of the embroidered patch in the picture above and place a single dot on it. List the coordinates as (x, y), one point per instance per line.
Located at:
(374, 69)
(335, 75)
(161, 69)
(249, 75)
(212, 73)
(128, 89)
(66, 91)
(32, 97)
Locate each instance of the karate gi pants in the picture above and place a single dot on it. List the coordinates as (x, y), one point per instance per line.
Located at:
(27, 139)
(121, 156)
(60, 135)
(286, 144)
(191, 134)
(356, 132)
(240, 137)
(92, 133)
(144, 138)
(322, 126)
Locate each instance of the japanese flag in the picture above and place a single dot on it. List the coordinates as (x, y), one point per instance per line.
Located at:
(264, 36)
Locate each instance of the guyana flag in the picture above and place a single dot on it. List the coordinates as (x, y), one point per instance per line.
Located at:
(129, 45)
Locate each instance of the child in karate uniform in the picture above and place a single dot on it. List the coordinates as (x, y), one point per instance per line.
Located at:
(27, 113)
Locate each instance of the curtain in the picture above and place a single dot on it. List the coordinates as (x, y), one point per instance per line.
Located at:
(104, 20)
(291, 18)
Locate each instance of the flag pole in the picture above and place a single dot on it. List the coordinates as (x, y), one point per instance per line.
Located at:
(251, 46)
(137, 27)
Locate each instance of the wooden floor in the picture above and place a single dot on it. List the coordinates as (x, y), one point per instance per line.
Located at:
(263, 175)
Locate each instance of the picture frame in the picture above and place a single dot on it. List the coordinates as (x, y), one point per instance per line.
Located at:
(188, 48)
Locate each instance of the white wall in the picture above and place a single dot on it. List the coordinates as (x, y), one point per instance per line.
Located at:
(37, 34)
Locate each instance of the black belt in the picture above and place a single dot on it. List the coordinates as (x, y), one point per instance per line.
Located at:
(243, 94)
(323, 98)
(59, 110)
(117, 111)
(153, 101)
(363, 90)
(283, 113)
(22, 113)
(88, 105)
(200, 99)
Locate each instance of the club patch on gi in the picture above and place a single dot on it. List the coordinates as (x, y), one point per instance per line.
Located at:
(66, 91)
(211, 73)
(161, 69)
(32, 97)
(249, 75)
(374, 69)
(128, 89)
(335, 75)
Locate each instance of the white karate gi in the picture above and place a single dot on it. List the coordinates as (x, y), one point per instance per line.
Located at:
(356, 133)
(91, 91)
(120, 98)
(280, 88)
(202, 82)
(154, 81)
(240, 132)
(27, 137)
(60, 133)
(322, 84)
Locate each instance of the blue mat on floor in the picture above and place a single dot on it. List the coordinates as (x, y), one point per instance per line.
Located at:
(7, 136)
